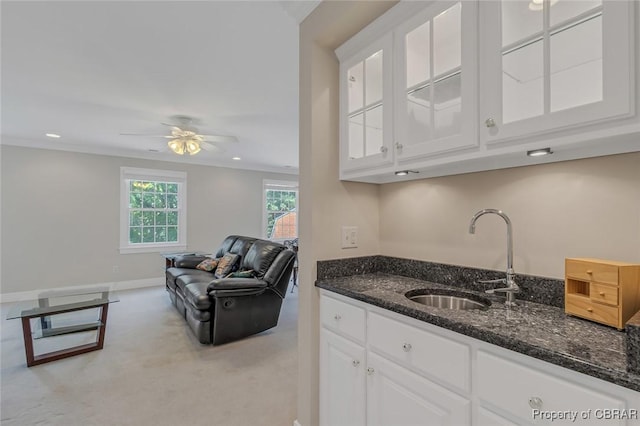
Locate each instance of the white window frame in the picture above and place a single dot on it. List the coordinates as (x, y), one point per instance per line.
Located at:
(133, 173)
(285, 185)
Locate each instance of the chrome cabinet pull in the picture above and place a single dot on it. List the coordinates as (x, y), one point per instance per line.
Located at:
(384, 149)
(370, 371)
(535, 402)
(406, 347)
(490, 122)
(356, 363)
(337, 317)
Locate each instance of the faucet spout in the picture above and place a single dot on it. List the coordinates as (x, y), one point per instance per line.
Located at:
(472, 230)
(510, 281)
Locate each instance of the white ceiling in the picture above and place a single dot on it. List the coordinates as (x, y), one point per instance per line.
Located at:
(90, 70)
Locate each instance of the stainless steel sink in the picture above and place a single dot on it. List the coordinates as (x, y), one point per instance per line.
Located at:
(446, 300)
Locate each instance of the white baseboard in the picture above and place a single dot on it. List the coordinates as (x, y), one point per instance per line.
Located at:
(116, 285)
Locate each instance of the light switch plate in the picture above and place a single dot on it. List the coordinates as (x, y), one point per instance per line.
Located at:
(349, 236)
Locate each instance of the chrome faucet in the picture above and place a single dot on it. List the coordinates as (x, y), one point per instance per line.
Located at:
(512, 288)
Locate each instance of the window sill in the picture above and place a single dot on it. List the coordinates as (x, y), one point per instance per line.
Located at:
(152, 248)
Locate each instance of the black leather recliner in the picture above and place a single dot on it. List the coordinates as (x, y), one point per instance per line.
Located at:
(227, 309)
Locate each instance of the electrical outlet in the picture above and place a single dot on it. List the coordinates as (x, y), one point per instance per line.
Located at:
(349, 237)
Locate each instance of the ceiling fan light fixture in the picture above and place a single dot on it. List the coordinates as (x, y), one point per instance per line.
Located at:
(180, 146)
(176, 146)
(193, 147)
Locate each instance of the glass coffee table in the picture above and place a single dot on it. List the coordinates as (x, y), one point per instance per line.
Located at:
(56, 313)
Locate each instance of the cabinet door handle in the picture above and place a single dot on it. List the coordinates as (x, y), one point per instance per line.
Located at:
(356, 363)
(384, 149)
(535, 402)
(406, 347)
(490, 122)
(589, 271)
(398, 146)
(370, 371)
(337, 317)
(601, 293)
(589, 309)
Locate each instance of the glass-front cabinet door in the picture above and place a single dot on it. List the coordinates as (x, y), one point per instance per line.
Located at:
(436, 81)
(366, 108)
(553, 64)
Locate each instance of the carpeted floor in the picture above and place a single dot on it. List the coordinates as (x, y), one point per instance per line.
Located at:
(152, 371)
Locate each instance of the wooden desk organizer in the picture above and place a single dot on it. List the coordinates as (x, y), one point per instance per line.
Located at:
(603, 291)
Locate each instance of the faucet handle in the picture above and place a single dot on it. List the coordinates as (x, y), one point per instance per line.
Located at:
(498, 281)
(515, 289)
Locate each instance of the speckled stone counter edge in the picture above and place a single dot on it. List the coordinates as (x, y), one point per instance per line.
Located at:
(535, 289)
(627, 379)
(633, 344)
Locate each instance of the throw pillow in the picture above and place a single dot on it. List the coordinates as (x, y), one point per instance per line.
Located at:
(226, 265)
(208, 265)
(241, 274)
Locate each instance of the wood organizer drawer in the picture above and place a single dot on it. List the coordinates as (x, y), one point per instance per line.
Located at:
(440, 358)
(604, 291)
(586, 308)
(591, 271)
(343, 318)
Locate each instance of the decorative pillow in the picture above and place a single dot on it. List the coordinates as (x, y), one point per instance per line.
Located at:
(241, 274)
(208, 265)
(225, 266)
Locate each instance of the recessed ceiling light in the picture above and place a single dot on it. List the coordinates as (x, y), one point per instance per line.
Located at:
(53, 135)
(236, 158)
(539, 152)
(405, 172)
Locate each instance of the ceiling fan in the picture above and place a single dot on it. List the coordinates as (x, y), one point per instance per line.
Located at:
(185, 138)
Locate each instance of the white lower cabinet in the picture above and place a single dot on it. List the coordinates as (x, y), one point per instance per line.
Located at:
(396, 396)
(528, 395)
(380, 368)
(485, 417)
(342, 378)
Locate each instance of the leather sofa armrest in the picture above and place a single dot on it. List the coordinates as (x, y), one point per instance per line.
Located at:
(230, 287)
(188, 261)
(236, 284)
(236, 292)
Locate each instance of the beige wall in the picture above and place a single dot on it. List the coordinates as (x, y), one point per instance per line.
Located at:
(326, 203)
(60, 216)
(582, 208)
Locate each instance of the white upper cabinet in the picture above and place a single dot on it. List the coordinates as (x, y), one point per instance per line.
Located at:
(549, 65)
(446, 87)
(436, 80)
(366, 107)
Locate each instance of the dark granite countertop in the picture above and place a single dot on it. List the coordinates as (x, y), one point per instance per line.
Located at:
(540, 331)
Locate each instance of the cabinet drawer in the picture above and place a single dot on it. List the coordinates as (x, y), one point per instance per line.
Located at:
(438, 357)
(591, 271)
(586, 308)
(496, 379)
(604, 294)
(343, 318)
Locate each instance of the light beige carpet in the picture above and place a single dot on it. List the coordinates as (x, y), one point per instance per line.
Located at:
(152, 371)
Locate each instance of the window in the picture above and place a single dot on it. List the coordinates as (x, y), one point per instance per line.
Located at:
(280, 210)
(152, 210)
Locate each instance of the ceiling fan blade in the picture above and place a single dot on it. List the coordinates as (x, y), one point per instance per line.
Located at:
(219, 138)
(172, 125)
(149, 135)
(211, 147)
